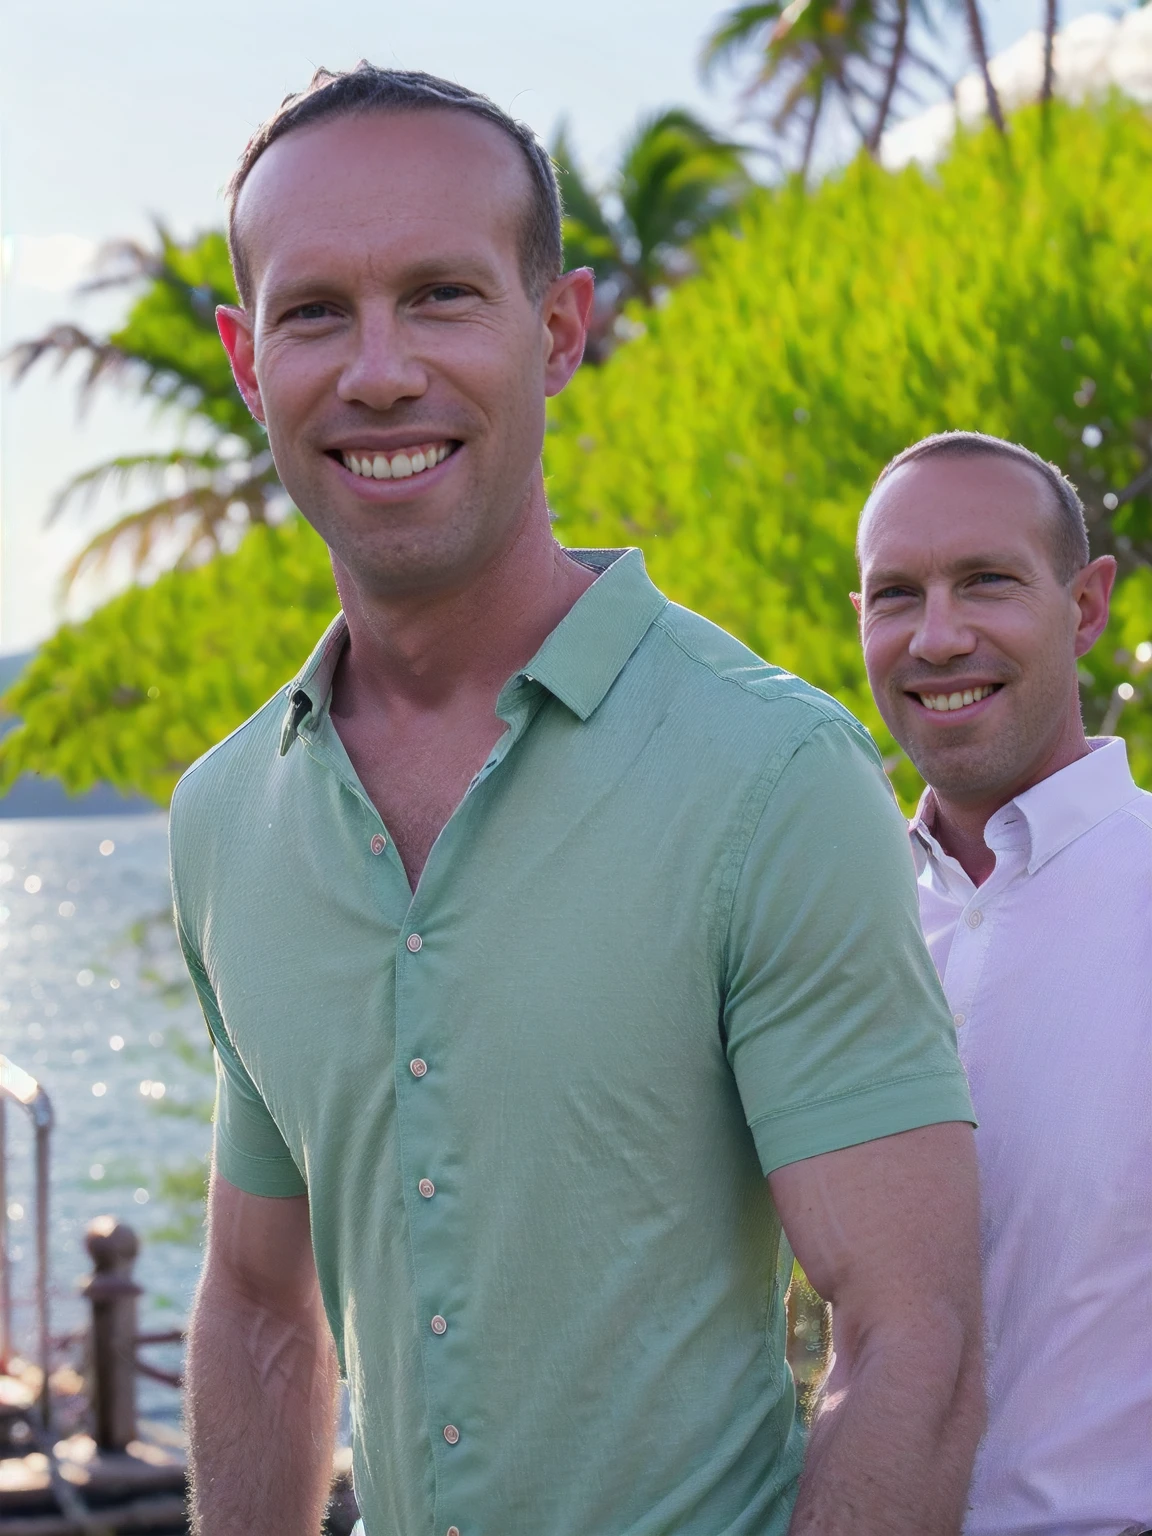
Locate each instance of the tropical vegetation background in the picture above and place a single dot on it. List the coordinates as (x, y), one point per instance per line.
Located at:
(767, 335)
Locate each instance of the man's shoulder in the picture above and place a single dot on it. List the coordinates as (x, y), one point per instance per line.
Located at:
(734, 683)
(245, 754)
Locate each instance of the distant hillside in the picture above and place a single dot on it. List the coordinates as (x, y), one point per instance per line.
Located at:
(32, 796)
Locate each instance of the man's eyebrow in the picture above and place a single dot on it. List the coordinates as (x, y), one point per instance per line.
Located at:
(440, 268)
(991, 560)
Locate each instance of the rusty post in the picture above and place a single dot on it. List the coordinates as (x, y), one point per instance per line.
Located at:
(112, 1347)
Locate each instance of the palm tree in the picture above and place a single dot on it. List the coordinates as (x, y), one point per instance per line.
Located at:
(1051, 22)
(980, 53)
(676, 179)
(198, 495)
(819, 56)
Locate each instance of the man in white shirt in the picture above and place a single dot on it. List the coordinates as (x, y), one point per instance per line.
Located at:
(1034, 851)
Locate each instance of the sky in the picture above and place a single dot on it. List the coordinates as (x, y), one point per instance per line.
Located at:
(114, 111)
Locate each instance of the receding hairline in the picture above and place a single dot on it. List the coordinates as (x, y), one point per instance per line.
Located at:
(381, 110)
(1068, 542)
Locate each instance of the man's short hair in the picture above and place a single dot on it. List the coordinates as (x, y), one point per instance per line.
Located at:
(368, 89)
(1069, 530)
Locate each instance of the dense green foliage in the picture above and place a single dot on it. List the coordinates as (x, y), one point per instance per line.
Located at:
(737, 438)
(159, 674)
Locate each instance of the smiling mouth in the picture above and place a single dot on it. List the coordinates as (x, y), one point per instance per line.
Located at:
(396, 463)
(945, 703)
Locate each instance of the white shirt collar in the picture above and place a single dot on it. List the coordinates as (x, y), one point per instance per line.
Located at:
(1051, 814)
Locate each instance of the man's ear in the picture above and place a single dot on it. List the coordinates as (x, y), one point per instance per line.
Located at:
(566, 311)
(235, 327)
(1091, 592)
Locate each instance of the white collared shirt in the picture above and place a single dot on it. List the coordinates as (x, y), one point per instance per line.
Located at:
(1048, 969)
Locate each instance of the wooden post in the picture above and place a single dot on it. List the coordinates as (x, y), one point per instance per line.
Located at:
(112, 1348)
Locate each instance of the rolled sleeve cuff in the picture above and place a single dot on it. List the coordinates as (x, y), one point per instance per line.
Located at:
(867, 1114)
(277, 1177)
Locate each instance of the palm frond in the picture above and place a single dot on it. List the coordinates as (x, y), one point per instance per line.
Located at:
(62, 343)
(735, 32)
(581, 204)
(126, 471)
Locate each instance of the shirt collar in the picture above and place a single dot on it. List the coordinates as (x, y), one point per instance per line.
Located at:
(1067, 804)
(1055, 812)
(578, 662)
(586, 652)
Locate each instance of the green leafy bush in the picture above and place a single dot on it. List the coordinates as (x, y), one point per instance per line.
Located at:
(159, 674)
(737, 439)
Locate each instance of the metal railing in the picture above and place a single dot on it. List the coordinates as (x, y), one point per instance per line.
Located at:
(23, 1089)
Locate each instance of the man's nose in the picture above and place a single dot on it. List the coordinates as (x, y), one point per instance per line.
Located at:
(383, 367)
(942, 632)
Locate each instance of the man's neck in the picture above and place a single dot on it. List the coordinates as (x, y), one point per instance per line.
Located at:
(419, 651)
(958, 824)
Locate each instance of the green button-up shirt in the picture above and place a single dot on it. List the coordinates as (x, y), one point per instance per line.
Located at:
(667, 943)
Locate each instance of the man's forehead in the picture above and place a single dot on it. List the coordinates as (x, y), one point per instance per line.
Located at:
(357, 166)
(952, 508)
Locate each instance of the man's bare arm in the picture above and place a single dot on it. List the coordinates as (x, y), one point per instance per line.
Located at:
(261, 1373)
(888, 1232)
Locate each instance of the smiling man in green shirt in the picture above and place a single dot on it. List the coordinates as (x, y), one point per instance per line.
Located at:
(561, 956)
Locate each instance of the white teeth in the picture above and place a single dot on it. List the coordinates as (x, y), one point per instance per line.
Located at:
(950, 701)
(401, 466)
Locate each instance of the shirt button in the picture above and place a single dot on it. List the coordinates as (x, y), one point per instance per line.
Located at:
(439, 1324)
(957, 1019)
(451, 1434)
(378, 844)
(418, 1066)
(426, 1188)
(415, 943)
(974, 919)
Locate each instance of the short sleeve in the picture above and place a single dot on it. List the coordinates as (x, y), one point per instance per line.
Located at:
(248, 1148)
(837, 1029)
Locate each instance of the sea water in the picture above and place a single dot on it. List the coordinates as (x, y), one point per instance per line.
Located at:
(95, 1005)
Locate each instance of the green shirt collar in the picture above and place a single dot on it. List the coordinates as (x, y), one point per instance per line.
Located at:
(578, 662)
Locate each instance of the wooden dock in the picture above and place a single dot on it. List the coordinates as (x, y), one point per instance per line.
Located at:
(97, 1469)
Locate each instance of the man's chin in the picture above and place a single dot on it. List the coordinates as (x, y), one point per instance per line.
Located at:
(960, 771)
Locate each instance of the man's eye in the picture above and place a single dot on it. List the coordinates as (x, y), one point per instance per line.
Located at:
(316, 311)
(887, 592)
(444, 293)
(989, 578)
